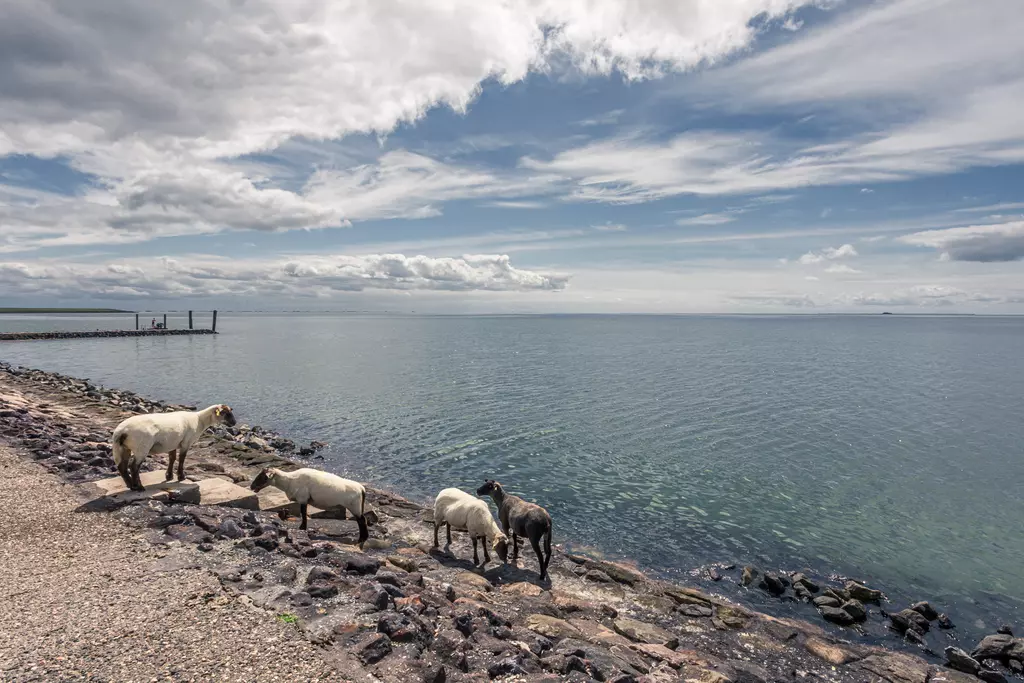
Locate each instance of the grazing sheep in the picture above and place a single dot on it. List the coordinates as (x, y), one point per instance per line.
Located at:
(307, 486)
(520, 518)
(140, 436)
(453, 506)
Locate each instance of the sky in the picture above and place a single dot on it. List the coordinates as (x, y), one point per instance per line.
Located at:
(514, 156)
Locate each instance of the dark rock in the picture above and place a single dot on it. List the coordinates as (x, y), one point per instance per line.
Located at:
(451, 647)
(993, 647)
(925, 609)
(321, 574)
(826, 601)
(945, 622)
(837, 616)
(463, 623)
(909, 620)
(801, 580)
(322, 591)
(372, 648)
(205, 547)
(855, 608)
(403, 628)
(267, 541)
(773, 584)
(747, 672)
(229, 528)
(751, 575)
(379, 598)
(695, 611)
(714, 575)
(389, 578)
(1005, 629)
(286, 574)
(992, 676)
(435, 673)
(961, 661)
(360, 563)
(859, 591)
(510, 666)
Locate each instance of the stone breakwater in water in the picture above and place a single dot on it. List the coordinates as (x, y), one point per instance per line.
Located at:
(27, 336)
(400, 610)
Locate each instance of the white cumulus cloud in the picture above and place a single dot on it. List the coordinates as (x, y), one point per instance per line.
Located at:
(983, 243)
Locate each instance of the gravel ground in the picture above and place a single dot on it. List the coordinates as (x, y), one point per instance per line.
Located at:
(83, 597)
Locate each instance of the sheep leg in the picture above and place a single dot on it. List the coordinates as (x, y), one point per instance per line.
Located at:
(181, 464)
(436, 526)
(476, 558)
(170, 465)
(448, 530)
(483, 542)
(136, 479)
(364, 533)
(122, 469)
(343, 514)
(302, 511)
(535, 542)
(515, 547)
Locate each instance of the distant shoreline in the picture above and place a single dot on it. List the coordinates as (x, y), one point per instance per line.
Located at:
(59, 310)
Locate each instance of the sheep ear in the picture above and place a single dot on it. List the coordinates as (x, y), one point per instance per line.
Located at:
(220, 409)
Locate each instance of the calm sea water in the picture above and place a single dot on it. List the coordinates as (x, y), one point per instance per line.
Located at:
(885, 447)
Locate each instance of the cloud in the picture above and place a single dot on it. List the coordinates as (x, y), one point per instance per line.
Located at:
(828, 254)
(841, 269)
(709, 219)
(982, 243)
(923, 296)
(298, 276)
(611, 227)
(156, 103)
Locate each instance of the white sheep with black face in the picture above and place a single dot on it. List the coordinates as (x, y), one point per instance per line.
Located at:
(454, 507)
(308, 486)
(140, 436)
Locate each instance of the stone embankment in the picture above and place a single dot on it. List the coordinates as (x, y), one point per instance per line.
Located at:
(27, 336)
(398, 609)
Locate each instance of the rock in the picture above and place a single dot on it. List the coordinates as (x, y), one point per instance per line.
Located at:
(690, 596)
(230, 528)
(403, 628)
(826, 601)
(597, 576)
(747, 672)
(861, 592)
(473, 581)
(1005, 629)
(696, 611)
(855, 608)
(992, 676)
(945, 622)
(961, 661)
(642, 632)
(357, 562)
(551, 626)
(618, 571)
(773, 584)
(372, 648)
(801, 580)
(451, 647)
(896, 667)
(751, 575)
(830, 652)
(732, 616)
(909, 620)
(321, 574)
(837, 616)
(510, 666)
(993, 647)
(662, 654)
(522, 588)
(926, 610)
(595, 632)
(379, 598)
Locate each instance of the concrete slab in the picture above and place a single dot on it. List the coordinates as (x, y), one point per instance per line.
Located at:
(153, 481)
(215, 491)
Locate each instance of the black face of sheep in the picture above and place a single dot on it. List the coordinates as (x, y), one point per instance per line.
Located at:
(489, 485)
(261, 481)
(225, 416)
(501, 548)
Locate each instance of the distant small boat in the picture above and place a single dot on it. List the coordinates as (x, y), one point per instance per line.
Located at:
(886, 313)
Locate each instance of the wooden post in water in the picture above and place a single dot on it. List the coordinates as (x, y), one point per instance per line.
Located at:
(165, 321)
(215, 321)
(136, 322)
(190, 320)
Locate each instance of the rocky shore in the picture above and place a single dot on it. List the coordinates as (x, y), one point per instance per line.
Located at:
(26, 336)
(400, 610)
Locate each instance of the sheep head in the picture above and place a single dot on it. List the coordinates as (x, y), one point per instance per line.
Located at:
(500, 547)
(489, 487)
(223, 414)
(262, 479)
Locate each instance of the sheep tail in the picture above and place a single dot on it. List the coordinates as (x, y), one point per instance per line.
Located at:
(362, 503)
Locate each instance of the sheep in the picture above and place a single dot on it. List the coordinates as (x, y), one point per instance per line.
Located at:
(453, 506)
(520, 518)
(308, 486)
(138, 437)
